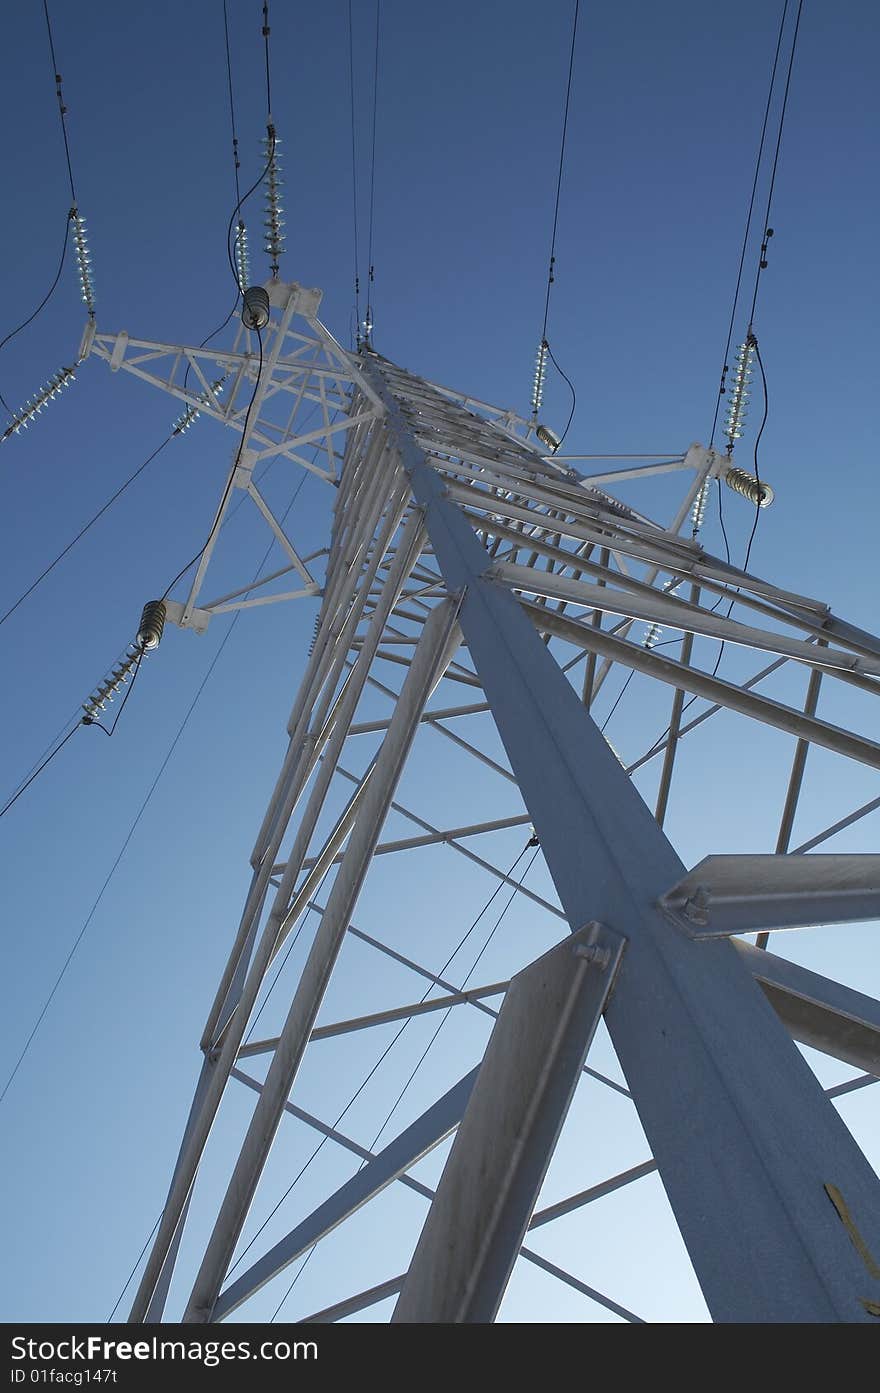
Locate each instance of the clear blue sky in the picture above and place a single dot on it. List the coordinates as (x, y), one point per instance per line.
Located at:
(666, 110)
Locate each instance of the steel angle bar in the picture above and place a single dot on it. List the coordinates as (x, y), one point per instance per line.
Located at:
(734, 894)
(404, 1151)
(435, 838)
(321, 673)
(418, 1188)
(643, 471)
(818, 1012)
(449, 986)
(493, 1176)
(437, 722)
(441, 714)
(735, 698)
(863, 1081)
(440, 638)
(353, 1304)
(795, 781)
(665, 551)
(660, 745)
(743, 1136)
(662, 803)
(240, 985)
(870, 807)
(396, 1013)
(471, 855)
(595, 1192)
(682, 614)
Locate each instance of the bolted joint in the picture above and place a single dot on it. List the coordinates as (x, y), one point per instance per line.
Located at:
(696, 908)
(599, 954)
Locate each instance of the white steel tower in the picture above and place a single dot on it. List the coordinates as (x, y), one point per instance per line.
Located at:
(463, 554)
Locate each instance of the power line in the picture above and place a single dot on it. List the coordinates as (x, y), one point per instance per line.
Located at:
(359, 1090)
(43, 302)
(768, 231)
(573, 399)
(550, 276)
(83, 530)
(357, 301)
(229, 634)
(397, 1036)
(617, 702)
(134, 1269)
(371, 270)
(239, 205)
(544, 349)
(266, 32)
(5, 809)
(141, 810)
(745, 242)
(235, 158)
(62, 109)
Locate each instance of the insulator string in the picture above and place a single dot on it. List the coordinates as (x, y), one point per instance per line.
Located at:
(28, 413)
(83, 261)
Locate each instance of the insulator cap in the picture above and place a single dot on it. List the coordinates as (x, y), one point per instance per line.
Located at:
(755, 490)
(548, 437)
(255, 309)
(152, 624)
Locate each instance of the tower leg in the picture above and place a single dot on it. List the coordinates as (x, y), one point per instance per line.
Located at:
(745, 1140)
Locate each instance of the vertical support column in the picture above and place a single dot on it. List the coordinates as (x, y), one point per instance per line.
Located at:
(744, 1138)
(491, 1182)
(436, 646)
(596, 621)
(796, 779)
(674, 725)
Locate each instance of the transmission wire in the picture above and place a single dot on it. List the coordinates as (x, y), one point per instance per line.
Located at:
(42, 304)
(83, 530)
(371, 271)
(357, 292)
(745, 241)
(373, 1070)
(62, 109)
(139, 815)
(768, 231)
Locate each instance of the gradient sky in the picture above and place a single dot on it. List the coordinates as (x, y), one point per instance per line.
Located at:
(666, 111)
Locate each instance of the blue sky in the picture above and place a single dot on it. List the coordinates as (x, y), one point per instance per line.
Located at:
(666, 110)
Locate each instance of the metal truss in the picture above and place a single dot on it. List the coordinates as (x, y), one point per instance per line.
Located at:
(461, 555)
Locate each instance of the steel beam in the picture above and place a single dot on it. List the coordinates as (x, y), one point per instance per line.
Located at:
(440, 638)
(744, 1138)
(741, 893)
(476, 1225)
(818, 1012)
(404, 1151)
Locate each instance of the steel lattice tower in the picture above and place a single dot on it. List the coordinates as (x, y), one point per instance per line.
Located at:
(461, 553)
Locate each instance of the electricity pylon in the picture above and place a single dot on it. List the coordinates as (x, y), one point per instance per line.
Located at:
(461, 553)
